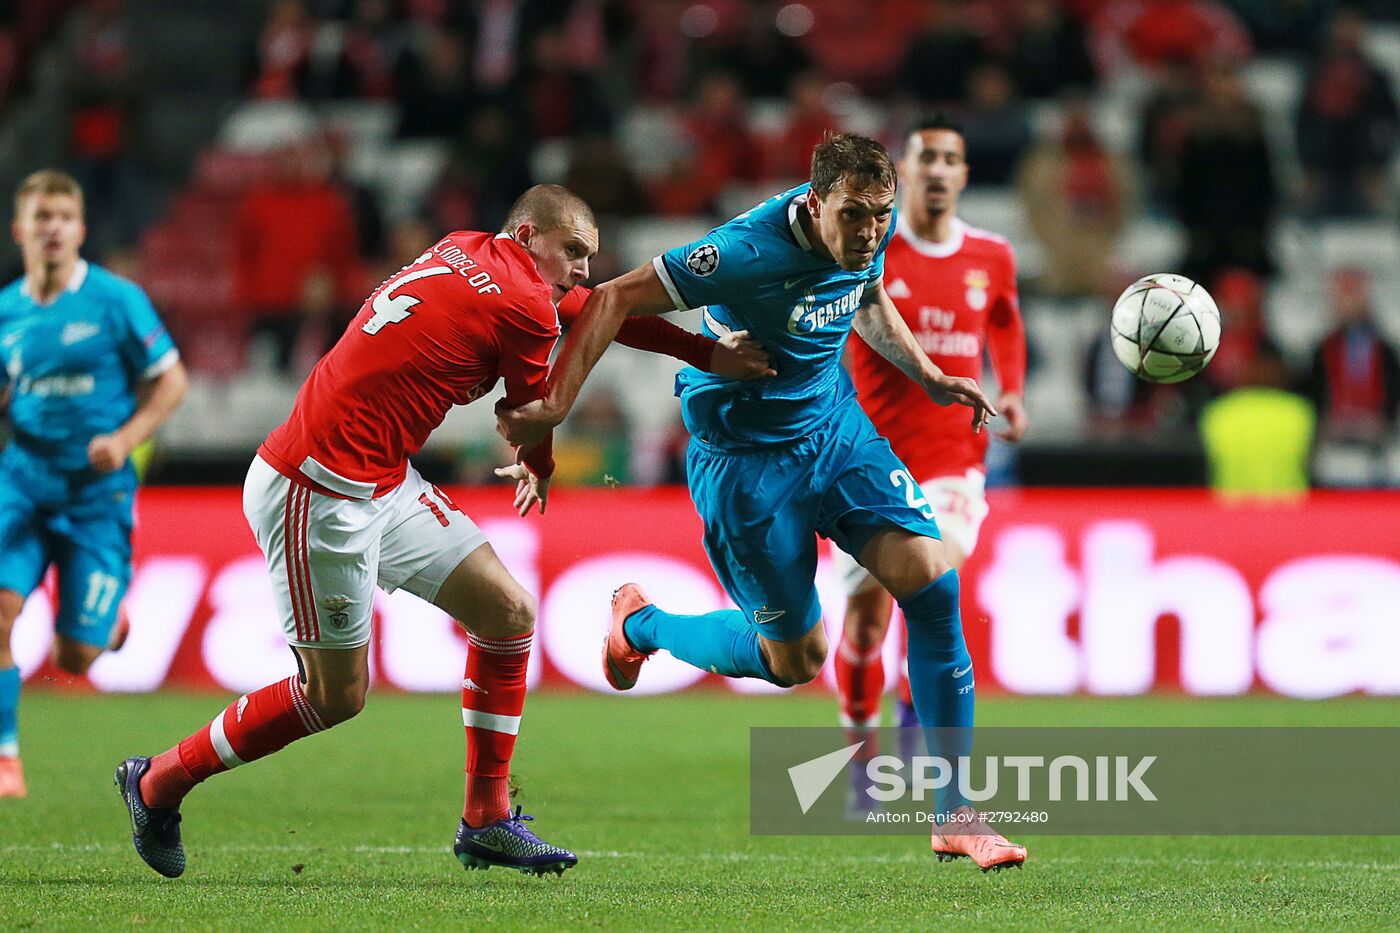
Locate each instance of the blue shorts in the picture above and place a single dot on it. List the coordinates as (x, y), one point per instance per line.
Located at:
(78, 522)
(764, 507)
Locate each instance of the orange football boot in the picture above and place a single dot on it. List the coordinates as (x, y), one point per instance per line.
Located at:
(621, 662)
(967, 836)
(12, 778)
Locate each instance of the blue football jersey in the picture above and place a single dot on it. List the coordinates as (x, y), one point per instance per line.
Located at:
(757, 273)
(73, 366)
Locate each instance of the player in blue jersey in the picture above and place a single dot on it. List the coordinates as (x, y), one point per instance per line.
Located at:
(773, 463)
(91, 373)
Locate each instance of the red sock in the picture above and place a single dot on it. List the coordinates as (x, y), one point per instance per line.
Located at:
(493, 697)
(255, 726)
(860, 679)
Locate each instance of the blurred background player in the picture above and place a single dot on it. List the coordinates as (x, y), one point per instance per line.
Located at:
(955, 286)
(91, 374)
(772, 462)
(336, 506)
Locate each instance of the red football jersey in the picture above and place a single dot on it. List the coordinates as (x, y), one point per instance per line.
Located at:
(440, 332)
(955, 296)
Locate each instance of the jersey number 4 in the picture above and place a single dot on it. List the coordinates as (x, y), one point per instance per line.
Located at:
(390, 308)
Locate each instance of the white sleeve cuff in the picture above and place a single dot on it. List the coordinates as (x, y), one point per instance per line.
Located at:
(170, 358)
(659, 264)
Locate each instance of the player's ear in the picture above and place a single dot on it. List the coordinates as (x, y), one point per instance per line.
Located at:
(525, 234)
(814, 203)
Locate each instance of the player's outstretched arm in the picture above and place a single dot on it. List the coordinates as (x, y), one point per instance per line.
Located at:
(157, 399)
(638, 292)
(736, 355)
(879, 324)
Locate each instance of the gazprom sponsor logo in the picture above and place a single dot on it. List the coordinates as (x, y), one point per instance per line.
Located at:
(807, 316)
(57, 386)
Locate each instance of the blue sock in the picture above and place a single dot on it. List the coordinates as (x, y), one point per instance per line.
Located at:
(723, 642)
(940, 675)
(9, 712)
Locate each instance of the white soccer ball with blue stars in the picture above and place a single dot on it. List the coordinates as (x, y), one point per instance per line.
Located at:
(1165, 328)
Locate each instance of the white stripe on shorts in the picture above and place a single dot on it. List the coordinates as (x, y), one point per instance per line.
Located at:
(221, 745)
(475, 719)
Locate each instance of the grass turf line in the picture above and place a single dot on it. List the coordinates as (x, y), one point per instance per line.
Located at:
(352, 830)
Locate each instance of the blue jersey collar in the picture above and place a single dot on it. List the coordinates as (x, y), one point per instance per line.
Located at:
(75, 281)
(797, 232)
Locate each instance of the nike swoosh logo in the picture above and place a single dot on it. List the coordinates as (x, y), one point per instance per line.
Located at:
(961, 673)
(793, 283)
(493, 846)
(762, 618)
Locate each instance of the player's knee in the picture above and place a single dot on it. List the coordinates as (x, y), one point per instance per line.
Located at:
(928, 562)
(867, 618)
(336, 703)
(799, 664)
(512, 616)
(73, 657)
(518, 616)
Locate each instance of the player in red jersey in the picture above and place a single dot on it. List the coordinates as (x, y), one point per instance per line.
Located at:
(955, 286)
(336, 508)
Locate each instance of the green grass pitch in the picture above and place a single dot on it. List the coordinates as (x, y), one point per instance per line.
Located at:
(352, 830)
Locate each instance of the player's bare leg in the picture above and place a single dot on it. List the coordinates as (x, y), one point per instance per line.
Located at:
(329, 689)
(918, 572)
(860, 683)
(499, 618)
(74, 657)
(11, 772)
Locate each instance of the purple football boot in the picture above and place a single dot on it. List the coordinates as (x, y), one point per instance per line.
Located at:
(509, 843)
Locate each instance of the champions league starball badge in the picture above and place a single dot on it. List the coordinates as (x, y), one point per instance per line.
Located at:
(703, 260)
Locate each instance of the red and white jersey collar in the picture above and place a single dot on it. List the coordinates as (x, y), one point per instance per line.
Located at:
(957, 233)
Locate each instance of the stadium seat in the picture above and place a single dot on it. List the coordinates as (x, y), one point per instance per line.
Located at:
(226, 171)
(549, 160)
(410, 168)
(357, 121)
(643, 239)
(650, 136)
(262, 126)
(1372, 244)
(1150, 245)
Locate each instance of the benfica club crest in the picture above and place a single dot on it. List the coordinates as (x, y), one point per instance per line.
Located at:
(977, 282)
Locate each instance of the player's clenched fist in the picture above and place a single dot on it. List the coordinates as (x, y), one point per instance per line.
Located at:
(107, 452)
(526, 425)
(738, 356)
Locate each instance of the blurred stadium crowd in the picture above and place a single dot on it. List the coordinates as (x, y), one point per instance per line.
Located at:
(260, 166)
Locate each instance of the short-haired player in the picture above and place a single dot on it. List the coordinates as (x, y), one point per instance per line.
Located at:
(773, 463)
(90, 374)
(955, 287)
(337, 508)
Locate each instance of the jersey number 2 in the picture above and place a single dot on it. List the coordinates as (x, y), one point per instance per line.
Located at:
(912, 494)
(390, 308)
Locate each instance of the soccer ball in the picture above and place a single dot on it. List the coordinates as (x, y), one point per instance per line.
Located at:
(1165, 328)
